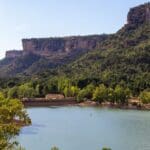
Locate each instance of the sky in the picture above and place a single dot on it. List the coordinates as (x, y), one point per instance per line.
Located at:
(53, 18)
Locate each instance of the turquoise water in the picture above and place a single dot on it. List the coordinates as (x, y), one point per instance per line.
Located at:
(77, 128)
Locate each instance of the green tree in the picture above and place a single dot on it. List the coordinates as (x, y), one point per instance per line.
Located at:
(52, 85)
(145, 97)
(74, 91)
(89, 91)
(12, 117)
(100, 93)
(63, 83)
(26, 91)
(85, 93)
(111, 95)
(39, 90)
(67, 91)
(81, 95)
(121, 94)
(13, 92)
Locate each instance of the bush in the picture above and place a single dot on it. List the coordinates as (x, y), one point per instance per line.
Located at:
(26, 90)
(54, 148)
(121, 94)
(145, 97)
(100, 93)
(85, 93)
(111, 95)
(81, 95)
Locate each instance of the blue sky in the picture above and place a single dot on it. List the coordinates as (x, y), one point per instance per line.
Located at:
(46, 18)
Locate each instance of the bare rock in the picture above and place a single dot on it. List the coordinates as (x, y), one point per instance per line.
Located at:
(139, 15)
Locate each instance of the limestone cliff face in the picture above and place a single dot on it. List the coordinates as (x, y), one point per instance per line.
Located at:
(66, 45)
(50, 47)
(139, 15)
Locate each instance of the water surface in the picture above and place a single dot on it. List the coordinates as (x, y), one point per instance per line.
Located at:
(78, 128)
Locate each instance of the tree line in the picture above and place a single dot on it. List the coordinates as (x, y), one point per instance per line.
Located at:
(80, 89)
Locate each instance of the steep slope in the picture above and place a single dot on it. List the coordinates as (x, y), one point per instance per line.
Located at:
(120, 60)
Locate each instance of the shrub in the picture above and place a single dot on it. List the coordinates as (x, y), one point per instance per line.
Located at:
(100, 93)
(54, 148)
(145, 97)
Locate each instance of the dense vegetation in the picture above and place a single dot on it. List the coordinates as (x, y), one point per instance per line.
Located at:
(126, 67)
(117, 69)
(145, 97)
(122, 61)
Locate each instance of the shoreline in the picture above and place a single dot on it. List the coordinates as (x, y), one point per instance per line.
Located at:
(115, 106)
(59, 103)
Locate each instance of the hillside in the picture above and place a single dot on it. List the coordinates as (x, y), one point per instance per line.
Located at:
(123, 57)
(122, 62)
(127, 51)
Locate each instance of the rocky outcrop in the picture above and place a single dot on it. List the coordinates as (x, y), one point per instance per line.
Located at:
(139, 15)
(14, 53)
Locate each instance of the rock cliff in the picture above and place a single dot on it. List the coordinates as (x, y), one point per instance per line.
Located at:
(50, 47)
(57, 46)
(139, 15)
(64, 45)
(14, 53)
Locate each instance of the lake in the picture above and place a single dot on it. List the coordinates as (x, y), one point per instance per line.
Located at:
(86, 128)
